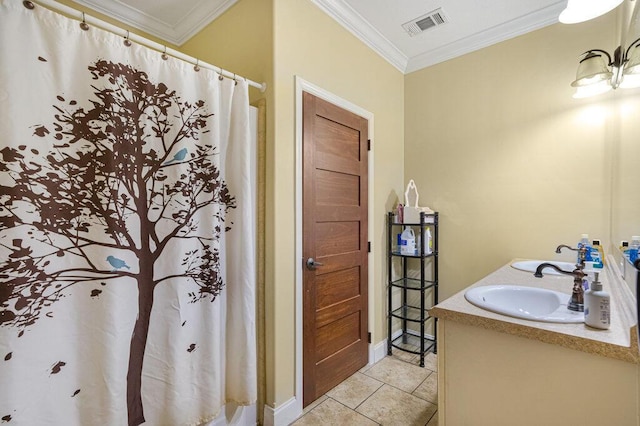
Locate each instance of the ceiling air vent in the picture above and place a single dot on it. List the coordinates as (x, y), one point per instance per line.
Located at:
(425, 22)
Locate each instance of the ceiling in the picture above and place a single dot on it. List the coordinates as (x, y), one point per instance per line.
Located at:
(470, 24)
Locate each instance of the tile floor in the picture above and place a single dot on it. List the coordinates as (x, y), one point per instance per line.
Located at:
(395, 391)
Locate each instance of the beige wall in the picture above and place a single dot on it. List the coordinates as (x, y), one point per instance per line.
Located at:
(310, 44)
(240, 41)
(513, 163)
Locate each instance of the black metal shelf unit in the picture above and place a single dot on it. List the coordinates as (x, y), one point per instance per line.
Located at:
(410, 340)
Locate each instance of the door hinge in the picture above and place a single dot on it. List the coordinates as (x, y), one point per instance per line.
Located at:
(369, 337)
(368, 144)
(368, 246)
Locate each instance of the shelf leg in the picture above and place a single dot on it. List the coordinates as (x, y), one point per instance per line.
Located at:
(389, 277)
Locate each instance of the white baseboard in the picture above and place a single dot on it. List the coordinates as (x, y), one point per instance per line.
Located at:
(232, 415)
(284, 414)
(377, 352)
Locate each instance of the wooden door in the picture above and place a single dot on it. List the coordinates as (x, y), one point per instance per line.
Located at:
(335, 236)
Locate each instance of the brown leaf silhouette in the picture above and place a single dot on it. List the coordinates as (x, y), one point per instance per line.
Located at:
(192, 347)
(6, 418)
(8, 356)
(40, 58)
(10, 154)
(75, 393)
(95, 292)
(41, 131)
(57, 367)
(6, 316)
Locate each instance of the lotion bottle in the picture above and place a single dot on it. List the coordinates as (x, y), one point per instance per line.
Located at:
(597, 306)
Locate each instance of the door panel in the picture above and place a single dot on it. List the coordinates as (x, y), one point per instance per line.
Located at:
(334, 234)
(337, 189)
(335, 238)
(333, 138)
(342, 285)
(327, 316)
(335, 335)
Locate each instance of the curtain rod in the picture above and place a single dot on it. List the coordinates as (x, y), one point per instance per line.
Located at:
(81, 16)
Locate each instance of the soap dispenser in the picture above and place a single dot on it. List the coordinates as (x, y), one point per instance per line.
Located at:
(597, 306)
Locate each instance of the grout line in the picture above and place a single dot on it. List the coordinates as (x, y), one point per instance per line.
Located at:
(372, 393)
(363, 414)
(420, 384)
(353, 409)
(431, 418)
(404, 391)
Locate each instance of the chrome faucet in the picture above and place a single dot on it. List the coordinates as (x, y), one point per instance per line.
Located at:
(576, 302)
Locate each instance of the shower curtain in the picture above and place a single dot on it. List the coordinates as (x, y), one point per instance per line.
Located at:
(127, 258)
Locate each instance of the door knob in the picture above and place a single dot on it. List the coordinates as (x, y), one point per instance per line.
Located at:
(312, 264)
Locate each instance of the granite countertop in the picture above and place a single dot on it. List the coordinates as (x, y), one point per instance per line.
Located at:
(618, 342)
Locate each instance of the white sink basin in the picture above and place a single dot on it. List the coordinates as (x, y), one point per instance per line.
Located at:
(531, 265)
(530, 303)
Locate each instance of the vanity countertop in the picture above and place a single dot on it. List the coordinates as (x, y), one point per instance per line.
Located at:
(618, 342)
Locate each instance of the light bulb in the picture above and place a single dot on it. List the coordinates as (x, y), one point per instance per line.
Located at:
(592, 90)
(630, 81)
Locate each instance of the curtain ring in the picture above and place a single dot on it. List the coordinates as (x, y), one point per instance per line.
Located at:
(28, 4)
(235, 80)
(127, 42)
(164, 54)
(220, 77)
(83, 24)
(196, 68)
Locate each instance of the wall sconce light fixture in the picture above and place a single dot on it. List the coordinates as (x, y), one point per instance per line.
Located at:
(598, 72)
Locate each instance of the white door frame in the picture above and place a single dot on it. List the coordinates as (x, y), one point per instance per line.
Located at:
(305, 86)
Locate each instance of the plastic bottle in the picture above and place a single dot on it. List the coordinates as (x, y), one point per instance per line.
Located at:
(633, 248)
(427, 244)
(597, 254)
(408, 242)
(584, 242)
(597, 306)
(428, 247)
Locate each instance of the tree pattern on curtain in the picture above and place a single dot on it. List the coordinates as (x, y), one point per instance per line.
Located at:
(114, 180)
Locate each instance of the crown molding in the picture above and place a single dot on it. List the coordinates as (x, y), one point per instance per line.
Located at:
(505, 31)
(358, 26)
(194, 21)
(353, 22)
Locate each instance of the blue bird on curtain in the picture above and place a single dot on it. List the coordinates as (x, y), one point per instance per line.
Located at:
(117, 263)
(180, 155)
